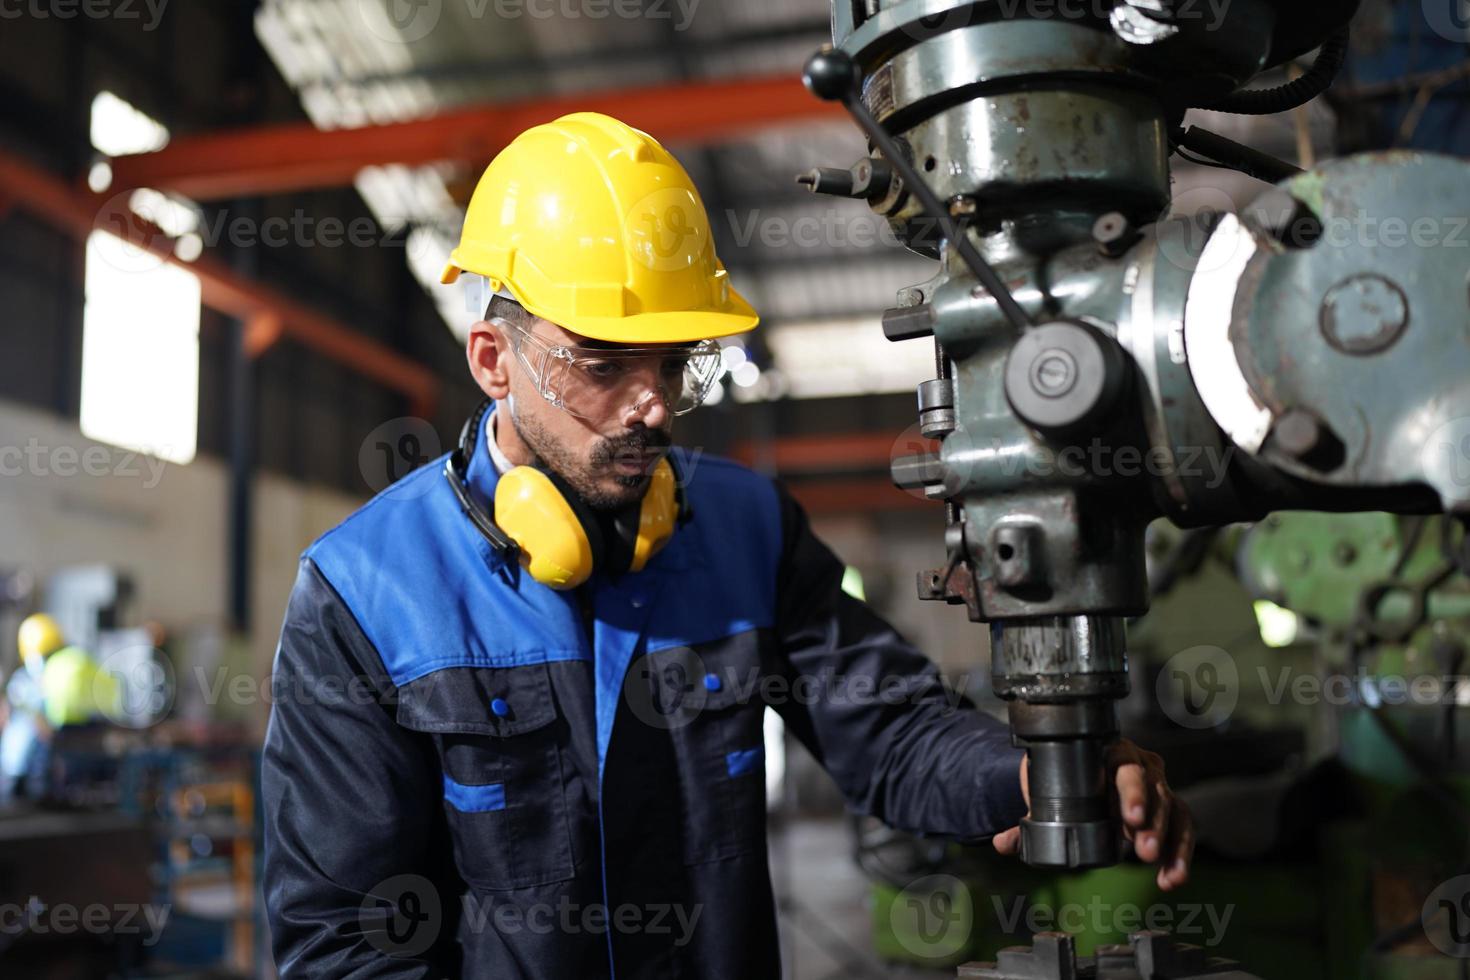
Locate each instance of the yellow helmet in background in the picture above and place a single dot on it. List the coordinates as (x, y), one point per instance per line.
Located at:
(40, 636)
(593, 225)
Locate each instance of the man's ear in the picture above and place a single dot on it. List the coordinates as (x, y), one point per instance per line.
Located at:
(488, 352)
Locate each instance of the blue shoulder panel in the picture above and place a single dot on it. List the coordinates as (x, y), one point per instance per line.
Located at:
(431, 593)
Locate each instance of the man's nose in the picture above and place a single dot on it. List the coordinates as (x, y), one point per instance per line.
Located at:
(651, 409)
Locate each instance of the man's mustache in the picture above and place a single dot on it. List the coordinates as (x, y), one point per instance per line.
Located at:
(635, 446)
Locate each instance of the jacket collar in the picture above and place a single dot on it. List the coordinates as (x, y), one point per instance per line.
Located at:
(482, 474)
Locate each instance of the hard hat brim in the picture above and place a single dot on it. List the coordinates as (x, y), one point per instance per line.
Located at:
(737, 316)
(676, 327)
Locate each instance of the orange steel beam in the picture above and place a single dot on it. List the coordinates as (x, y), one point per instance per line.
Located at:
(80, 212)
(262, 332)
(273, 159)
(824, 453)
(821, 497)
(812, 457)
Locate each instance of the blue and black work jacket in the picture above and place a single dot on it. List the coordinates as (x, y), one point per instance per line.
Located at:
(468, 774)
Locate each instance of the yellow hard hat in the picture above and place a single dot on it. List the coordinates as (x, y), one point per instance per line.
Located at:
(594, 226)
(39, 636)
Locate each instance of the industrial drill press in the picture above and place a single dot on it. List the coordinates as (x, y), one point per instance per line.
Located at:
(1100, 365)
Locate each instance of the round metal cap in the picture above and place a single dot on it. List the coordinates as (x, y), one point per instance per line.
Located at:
(1064, 375)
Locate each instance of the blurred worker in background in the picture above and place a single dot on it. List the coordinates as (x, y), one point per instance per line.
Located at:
(55, 688)
(521, 692)
(25, 740)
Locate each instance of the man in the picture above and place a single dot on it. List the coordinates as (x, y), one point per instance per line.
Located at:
(517, 730)
(57, 690)
(25, 739)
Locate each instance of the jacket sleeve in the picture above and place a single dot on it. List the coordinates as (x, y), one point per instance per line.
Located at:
(902, 745)
(349, 802)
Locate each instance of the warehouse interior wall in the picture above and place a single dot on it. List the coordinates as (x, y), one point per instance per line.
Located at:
(71, 501)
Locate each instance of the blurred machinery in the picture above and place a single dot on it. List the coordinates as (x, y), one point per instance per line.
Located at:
(145, 824)
(1147, 956)
(88, 600)
(1099, 367)
(1302, 676)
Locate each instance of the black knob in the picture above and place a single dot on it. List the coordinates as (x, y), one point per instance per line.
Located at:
(1065, 376)
(831, 75)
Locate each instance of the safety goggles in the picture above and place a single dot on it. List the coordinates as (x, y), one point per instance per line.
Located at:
(596, 383)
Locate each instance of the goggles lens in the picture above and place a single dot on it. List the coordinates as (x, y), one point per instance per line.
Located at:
(595, 384)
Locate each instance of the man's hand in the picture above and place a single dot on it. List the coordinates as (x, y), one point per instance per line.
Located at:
(1155, 821)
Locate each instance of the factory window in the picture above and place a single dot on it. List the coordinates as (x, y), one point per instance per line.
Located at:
(140, 351)
(842, 357)
(119, 128)
(140, 324)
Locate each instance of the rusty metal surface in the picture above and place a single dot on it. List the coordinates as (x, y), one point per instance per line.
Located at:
(1359, 343)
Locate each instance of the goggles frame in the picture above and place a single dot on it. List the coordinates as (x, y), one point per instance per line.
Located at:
(568, 357)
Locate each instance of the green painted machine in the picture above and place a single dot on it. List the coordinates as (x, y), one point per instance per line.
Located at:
(1330, 778)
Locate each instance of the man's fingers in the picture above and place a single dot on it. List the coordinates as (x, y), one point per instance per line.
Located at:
(1132, 796)
(1150, 842)
(1007, 841)
(1179, 850)
(1156, 823)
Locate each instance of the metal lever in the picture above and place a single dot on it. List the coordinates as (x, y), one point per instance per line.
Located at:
(832, 75)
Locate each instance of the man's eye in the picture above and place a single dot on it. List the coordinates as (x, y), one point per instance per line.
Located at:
(602, 370)
(675, 366)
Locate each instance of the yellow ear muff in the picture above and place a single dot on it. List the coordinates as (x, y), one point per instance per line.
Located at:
(657, 515)
(533, 513)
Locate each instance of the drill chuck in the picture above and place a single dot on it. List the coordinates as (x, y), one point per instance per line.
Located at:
(1062, 676)
(1071, 823)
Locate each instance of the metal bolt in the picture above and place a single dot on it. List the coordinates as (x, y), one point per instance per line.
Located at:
(1304, 437)
(1297, 433)
(1113, 234)
(910, 296)
(1364, 314)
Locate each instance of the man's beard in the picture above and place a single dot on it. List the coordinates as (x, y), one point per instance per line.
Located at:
(582, 478)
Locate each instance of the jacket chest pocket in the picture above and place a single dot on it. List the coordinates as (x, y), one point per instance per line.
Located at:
(499, 736)
(719, 743)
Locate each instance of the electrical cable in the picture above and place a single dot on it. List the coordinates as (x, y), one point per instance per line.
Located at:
(1202, 161)
(1315, 81)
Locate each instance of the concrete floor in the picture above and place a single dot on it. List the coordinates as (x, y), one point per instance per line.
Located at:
(823, 902)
